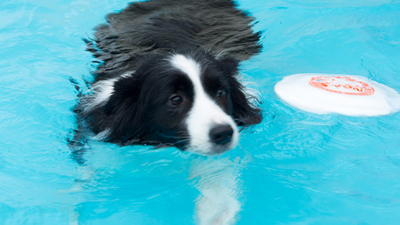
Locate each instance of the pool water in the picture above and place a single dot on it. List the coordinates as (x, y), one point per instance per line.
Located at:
(293, 168)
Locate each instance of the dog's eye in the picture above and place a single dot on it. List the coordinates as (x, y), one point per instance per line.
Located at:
(221, 93)
(175, 100)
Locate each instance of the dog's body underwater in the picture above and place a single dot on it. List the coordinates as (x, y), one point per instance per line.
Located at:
(167, 76)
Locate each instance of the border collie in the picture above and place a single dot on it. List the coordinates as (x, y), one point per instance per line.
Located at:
(168, 76)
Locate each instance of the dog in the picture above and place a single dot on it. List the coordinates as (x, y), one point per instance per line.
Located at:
(167, 75)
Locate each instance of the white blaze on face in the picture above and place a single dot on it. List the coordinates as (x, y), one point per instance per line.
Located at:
(205, 113)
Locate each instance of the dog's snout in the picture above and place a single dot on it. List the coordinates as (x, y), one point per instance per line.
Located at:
(221, 134)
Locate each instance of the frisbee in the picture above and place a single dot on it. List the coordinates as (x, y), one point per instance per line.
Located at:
(338, 93)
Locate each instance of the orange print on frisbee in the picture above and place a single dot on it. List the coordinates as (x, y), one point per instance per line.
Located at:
(342, 85)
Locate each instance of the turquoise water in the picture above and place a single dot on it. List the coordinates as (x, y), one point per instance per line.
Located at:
(293, 168)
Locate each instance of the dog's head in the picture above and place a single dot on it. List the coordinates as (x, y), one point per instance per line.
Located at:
(190, 101)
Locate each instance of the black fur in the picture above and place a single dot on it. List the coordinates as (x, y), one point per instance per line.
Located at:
(140, 39)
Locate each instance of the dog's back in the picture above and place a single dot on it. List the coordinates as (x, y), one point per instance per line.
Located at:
(165, 26)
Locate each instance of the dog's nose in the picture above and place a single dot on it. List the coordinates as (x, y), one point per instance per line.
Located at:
(221, 134)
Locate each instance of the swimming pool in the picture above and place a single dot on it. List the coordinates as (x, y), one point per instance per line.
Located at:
(293, 168)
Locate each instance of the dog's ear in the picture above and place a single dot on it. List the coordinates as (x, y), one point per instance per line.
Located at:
(229, 65)
(124, 111)
(126, 94)
(245, 112)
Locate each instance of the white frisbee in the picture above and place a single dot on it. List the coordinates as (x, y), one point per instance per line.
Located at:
(338, 93)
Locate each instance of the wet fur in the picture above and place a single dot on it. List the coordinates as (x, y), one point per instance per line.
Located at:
(132, 51)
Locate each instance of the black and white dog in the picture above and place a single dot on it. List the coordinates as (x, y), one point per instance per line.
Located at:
(168, 76)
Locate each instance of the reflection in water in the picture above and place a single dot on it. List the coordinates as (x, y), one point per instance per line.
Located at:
(217, 180)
